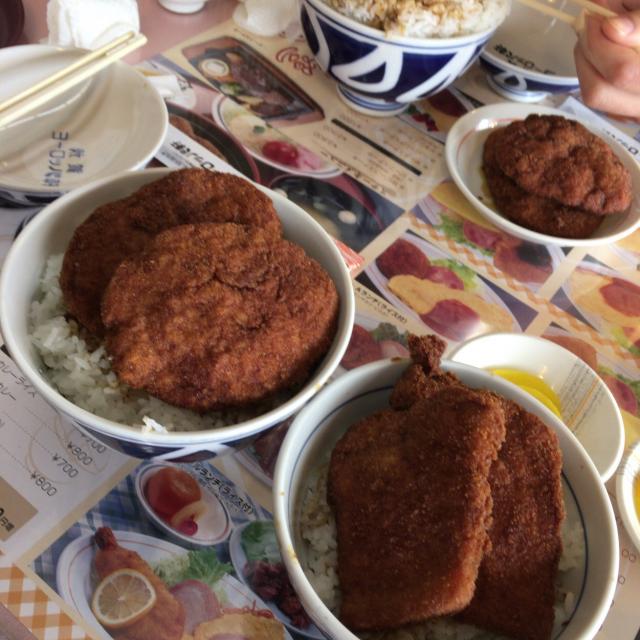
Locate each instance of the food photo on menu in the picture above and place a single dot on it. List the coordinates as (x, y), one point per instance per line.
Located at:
(175, 551)
(320, 319)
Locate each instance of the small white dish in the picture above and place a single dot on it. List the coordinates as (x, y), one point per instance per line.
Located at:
(463, 153)
(115, 121)
(214, 525)
(588, 407)
(628, 476)
(518, 68)
(182, 6)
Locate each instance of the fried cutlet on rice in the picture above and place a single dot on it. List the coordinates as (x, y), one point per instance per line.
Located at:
(123, 228)
(553, 157)
(212, 316)
(515, 590)
(543, 215)
(410, 493)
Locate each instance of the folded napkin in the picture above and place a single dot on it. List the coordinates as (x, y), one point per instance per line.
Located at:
(265, 17)
(89, 24)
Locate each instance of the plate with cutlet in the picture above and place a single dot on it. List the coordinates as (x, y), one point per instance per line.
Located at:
(429, 498)
(544, 176)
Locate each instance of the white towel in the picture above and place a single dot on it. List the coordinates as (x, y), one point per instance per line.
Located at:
(89, 24)
(265, 17)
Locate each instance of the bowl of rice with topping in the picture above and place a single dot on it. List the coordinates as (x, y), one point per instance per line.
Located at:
(305, 500)
(74, 371)
(385, 54)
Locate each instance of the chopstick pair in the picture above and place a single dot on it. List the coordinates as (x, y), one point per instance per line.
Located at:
(587, 5)
(35, 96)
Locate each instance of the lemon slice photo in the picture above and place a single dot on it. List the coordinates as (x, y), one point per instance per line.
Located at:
(122, 598)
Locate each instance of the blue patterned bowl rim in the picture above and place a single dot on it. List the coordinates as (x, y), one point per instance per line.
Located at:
(359, 29)
(527, 73)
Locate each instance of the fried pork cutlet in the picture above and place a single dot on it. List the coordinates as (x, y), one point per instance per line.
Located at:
(123, 228)
(165, 621)
(515, 590)
(543, 215)
(554, 157)
(412, 502)
(423, 377)
(218, 315)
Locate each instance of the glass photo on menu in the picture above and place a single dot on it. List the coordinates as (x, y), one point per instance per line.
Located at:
(235, 69)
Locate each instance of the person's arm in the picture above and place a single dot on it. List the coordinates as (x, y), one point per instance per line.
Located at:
(608, 60)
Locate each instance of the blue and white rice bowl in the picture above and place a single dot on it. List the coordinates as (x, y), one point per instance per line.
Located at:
(49, 233)
(518, 68)
(592, 579)
(380, 74)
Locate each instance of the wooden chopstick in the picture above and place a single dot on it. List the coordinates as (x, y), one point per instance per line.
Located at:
(59, 82)
(550, 10)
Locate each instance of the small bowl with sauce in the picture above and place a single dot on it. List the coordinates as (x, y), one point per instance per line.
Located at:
(561, 381)
(628, 493)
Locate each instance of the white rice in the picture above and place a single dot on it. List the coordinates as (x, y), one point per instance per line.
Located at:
(426, 18)
(85, 377)
(320, 562)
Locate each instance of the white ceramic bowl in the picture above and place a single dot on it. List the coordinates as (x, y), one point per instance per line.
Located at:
(364, 390)
(463, 153)
(49, 233)
(518, 68)
(588, 407)
(629, 474)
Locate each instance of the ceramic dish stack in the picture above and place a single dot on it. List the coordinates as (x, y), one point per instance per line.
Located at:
(518, 68)
(112, 122)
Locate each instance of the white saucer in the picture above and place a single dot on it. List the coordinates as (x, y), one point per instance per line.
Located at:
(111, 123)
(463, 152)
(589, 408)
(629, 472)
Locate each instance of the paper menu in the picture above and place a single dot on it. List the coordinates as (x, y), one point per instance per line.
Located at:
(48, 467)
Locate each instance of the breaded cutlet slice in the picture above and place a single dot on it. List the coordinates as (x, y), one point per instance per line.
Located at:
(124, 228)
(423, 377)
(412, 502)
(534, 212)
(515, 590)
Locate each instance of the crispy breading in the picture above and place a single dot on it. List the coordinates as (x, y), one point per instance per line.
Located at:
(553, 157)
(515, 590)
(165, 621)
(411, 497)
(218, 315)
(124, 227)
(534, 212)
(423, 377)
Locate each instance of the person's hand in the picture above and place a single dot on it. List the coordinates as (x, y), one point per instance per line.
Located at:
(607, 60)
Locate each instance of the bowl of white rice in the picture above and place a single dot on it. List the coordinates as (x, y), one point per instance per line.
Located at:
(305, 526)
(385, 54)
(75, 377)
